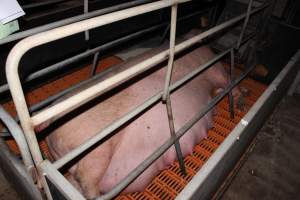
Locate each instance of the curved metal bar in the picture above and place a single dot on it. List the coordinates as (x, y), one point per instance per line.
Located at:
(18, 135)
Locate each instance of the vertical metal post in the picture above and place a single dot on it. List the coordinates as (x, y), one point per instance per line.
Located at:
(87, 38)
(166, 94)
(86, 10)
(245, 24)
(95, 64)
(231, 78)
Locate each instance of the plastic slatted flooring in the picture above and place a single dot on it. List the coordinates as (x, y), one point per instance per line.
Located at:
(168, 183)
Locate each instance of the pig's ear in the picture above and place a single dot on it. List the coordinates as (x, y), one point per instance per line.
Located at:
(41, 127)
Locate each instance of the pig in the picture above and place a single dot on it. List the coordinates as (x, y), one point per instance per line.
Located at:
(106, 165)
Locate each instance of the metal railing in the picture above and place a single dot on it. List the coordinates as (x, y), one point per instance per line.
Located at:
(45, 168)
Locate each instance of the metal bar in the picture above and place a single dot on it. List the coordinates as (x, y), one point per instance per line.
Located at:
(204, 183)
(52, 98)
(156, 154)
(139, 109)
(95, 64)
(245, 24)
(166, 95)
(171, 51)
(18, 135)
(43, 3)
(230, 96)
(294, 85)
(61, 64)
(23, 46)
(173, 135)
(70, 20)
(75, 101)
(67, 189)
(85, 11)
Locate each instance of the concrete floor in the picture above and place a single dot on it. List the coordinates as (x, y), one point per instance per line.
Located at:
(272, 170)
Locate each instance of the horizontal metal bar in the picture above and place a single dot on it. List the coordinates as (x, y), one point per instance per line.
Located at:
(139, 109)
(159, 152)
(82, 97)
(200, 187)
(63, 63)
(19, 137)
(70, 20)
(61, 183)
(43, 3)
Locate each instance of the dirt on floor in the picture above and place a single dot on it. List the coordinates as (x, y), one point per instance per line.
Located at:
(272, 170)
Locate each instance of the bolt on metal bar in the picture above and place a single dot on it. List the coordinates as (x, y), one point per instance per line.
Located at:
(245, 24)
(231, 78)
(139, 109)
(166, 95)
(163, 148)
(70, 20)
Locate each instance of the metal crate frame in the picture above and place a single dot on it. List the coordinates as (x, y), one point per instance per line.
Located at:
(28, 122)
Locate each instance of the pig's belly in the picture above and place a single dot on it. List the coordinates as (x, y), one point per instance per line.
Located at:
(144, 135)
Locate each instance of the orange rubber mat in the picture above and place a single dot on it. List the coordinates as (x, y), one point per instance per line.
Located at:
(168, 183)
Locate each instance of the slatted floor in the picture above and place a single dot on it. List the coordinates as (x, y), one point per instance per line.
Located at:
(170, 181)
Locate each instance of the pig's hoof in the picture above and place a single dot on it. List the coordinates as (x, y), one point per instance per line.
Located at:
(241, 103)
(245, 92)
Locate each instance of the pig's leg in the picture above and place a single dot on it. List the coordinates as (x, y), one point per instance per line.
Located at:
(91, 168)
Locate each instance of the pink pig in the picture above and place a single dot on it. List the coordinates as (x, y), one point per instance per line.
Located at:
(105, 166)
